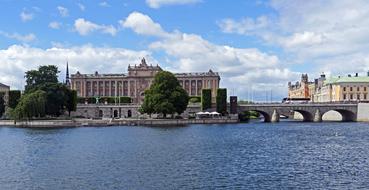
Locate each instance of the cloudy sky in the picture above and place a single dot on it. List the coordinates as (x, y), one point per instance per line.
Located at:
(256, 46)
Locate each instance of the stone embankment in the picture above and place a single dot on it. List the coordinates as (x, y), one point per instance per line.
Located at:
(113, 122)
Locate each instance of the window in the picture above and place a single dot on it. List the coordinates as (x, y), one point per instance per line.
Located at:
(364, 96)
(344, 96)
(351, 97)
(344, 88)
(350, 88)
(358, 88)
(364, 88)
(358, 97)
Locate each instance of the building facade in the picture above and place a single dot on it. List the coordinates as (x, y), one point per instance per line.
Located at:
(5, 89)
(302, 89)
(344, 88)
(134, 83)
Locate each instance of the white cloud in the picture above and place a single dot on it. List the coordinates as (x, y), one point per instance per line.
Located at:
(159, 3)
(244, 26)
(104, 4)
(143, 24)
(84, 27)
(81, 6)
(22, 38)
(16, 60)
(191, 53)
(26, 16)
(55, 25)
(64, 12)
(324, 35)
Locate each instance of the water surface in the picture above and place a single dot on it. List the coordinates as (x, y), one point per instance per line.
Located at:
(244, 156)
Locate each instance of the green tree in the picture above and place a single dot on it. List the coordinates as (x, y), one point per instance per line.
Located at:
(44, 75)
(31, 105)
(165, 96)
(206, 99)
(195, 99)
(71, 103)
(2, 104)
(222, 101)
(14, 97)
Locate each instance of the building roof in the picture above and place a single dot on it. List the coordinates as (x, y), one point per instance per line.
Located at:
(4, 86)
(353, 79)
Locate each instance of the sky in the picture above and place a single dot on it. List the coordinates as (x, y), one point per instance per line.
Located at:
(256, 46)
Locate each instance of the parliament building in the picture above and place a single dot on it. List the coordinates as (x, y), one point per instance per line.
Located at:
(134, 83)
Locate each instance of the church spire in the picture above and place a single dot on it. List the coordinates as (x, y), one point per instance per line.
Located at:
(67, 79)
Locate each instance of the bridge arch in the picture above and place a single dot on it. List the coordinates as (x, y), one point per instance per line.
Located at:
(346, 115)
(267, 116)
(306, 116)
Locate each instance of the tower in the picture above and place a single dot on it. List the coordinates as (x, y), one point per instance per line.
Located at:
(67, 79)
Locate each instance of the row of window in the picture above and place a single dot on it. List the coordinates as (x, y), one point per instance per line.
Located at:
(354, 96)
(351, 88)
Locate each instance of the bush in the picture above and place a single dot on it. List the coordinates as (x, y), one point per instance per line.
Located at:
(195, 99)
(206, 99)
(14, 97)
(222, 101)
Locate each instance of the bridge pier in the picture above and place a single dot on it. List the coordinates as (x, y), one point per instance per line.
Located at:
(318, 116)
(275, 116)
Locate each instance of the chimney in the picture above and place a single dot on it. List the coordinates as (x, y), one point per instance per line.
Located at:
(356, 74)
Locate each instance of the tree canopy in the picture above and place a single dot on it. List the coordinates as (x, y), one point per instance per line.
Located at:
(44, 75)
(2, 104)
(58, 98)
(165, 96)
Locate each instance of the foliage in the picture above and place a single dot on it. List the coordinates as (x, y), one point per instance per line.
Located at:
(71, 103)
(31, 105)
(14, 97)
(247, 115)
(195, 99)
(2, 104)
(165, 96)
(44, 75)
(222, 101)
(206, 99)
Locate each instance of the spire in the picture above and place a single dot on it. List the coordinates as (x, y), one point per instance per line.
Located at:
(67, 81)
(143, 62)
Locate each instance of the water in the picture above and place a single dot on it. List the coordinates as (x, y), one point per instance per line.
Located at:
(244, 156)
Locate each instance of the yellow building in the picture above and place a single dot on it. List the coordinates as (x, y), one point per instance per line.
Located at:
(348, 88)
(302, 89)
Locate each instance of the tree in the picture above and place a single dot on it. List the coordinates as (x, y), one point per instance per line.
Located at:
(31, 105)
(222, 101)
(14, 97)
(206, 99)
(44, 75)
(71, 103)
(165, 96)
(2, 104)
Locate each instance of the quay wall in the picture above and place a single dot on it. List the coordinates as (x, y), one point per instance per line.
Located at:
(117, 122)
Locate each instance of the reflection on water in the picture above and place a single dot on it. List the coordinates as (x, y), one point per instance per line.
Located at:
(244, 156)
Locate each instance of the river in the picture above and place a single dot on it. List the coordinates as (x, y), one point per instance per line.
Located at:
(329, 155)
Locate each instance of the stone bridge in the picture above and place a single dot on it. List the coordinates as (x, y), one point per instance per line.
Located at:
(310, 111)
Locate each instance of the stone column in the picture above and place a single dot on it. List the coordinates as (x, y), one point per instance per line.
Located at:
(317, 116)
(275, 116)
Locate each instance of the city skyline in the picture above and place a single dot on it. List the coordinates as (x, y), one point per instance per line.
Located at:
(256, 44)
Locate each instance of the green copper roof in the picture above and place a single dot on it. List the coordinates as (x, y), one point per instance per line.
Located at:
(353, 79)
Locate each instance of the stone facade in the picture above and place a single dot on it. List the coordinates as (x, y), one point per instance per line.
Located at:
(5, 89)
(137, 80)
(301, 89)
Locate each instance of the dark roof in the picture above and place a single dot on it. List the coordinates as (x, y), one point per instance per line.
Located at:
(3, 85)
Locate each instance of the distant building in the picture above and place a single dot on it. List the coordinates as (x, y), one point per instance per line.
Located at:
(136, 81)
(302, 89)
(5, 89)
(343, 88)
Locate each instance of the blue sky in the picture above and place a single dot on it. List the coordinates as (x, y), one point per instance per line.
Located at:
(256, 46)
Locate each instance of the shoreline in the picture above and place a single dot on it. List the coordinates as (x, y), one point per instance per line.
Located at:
(111, 122)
